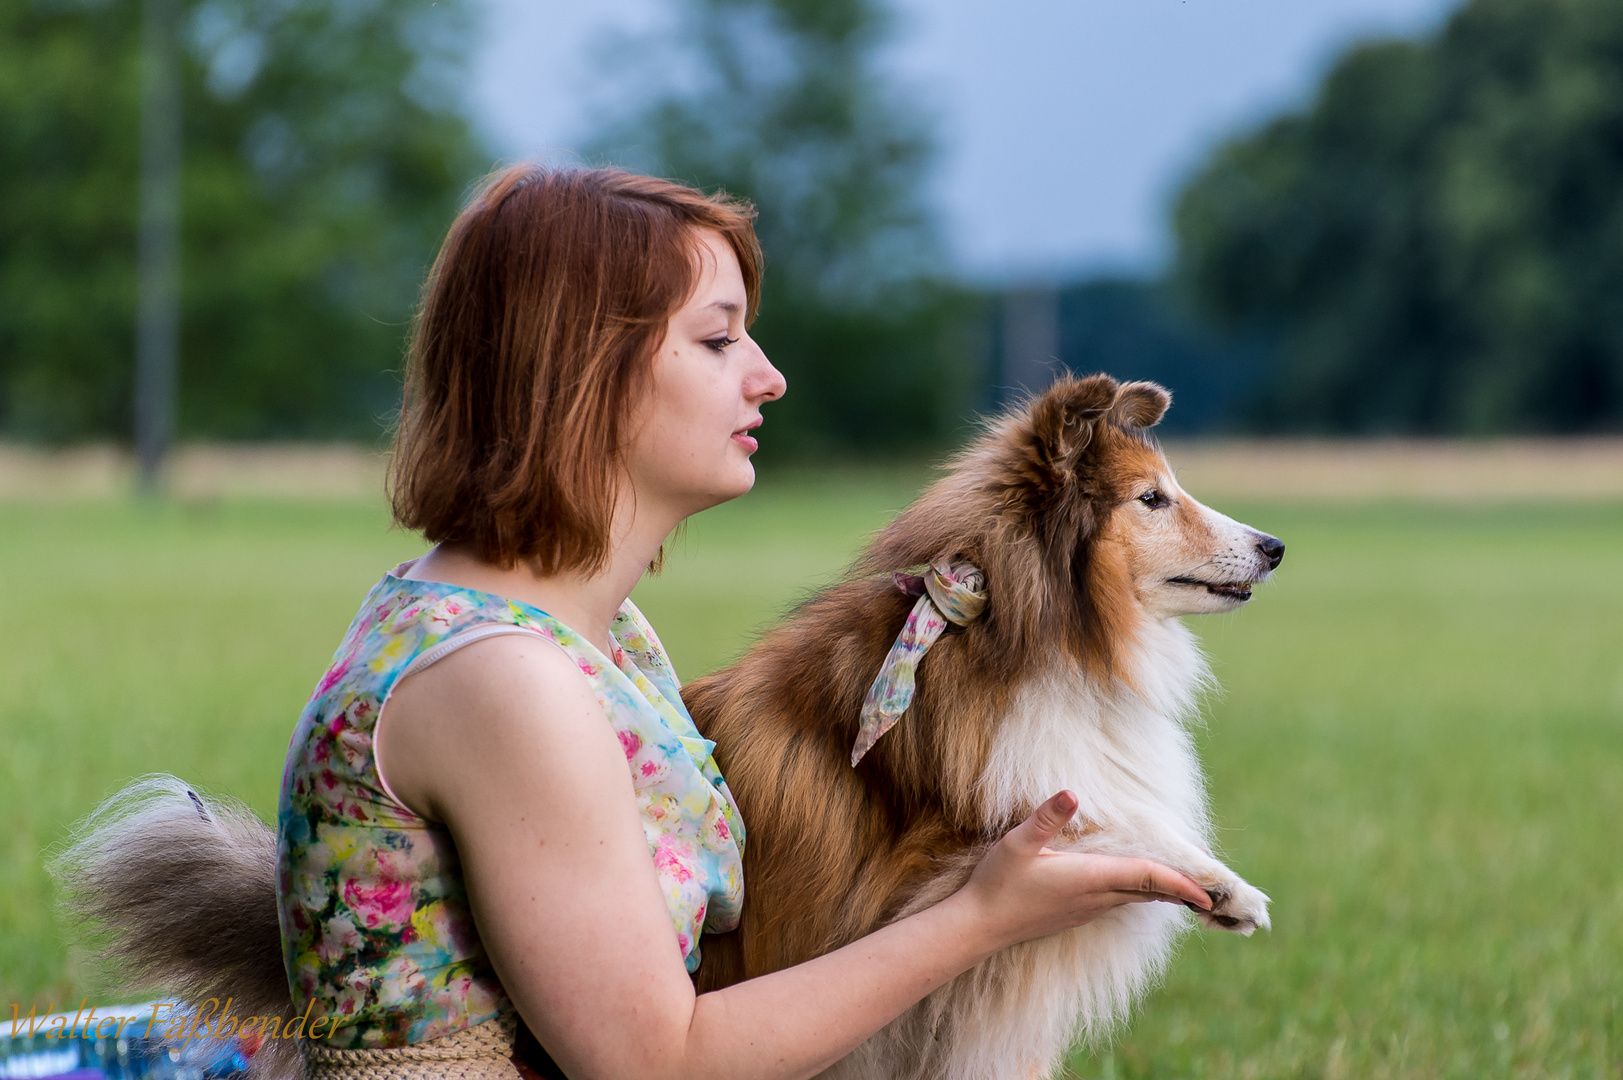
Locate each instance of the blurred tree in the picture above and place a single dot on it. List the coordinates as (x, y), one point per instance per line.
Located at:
(784, 102)
(1137, 329)
(325, 149)
(1437, 243)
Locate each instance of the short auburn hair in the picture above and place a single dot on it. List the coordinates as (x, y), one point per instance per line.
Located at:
(535, 338)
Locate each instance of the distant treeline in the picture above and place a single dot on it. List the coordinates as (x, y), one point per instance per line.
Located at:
(1434, 245)
(324, 153)
(1136, 329)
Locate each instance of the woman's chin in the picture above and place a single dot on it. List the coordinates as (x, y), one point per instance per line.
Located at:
(737, 481)
(742, 480)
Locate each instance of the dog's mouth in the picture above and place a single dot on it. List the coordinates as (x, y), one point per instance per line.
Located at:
(1234, 590)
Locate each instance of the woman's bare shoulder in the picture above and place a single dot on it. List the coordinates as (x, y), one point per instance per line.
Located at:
(482, 711)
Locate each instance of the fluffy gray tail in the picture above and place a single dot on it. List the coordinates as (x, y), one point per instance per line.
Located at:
(176, 893)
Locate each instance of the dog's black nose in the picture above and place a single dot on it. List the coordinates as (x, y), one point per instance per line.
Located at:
(1272, 549)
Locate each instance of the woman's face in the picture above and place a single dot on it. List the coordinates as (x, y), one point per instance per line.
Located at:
(694, 434)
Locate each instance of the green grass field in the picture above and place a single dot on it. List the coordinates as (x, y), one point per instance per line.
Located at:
(1418, 751)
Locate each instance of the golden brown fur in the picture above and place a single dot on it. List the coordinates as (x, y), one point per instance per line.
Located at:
(834, 852)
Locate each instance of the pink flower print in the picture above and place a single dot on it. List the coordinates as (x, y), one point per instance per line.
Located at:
(402, 619)
(672, 862)
(392, 864)
(381, 903)
(334, 674)
(715, 833)
(339, 938)
(437, 620)
(651, 768)
(589, 669)
(356, 747)
(630, 742)
(351, 995)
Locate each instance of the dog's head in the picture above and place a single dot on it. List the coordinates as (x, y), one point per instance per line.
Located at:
(1083, 532)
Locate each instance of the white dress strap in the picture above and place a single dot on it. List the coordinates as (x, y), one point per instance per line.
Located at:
(466, 637)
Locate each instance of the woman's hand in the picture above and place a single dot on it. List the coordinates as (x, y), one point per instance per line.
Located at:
(1022, 890)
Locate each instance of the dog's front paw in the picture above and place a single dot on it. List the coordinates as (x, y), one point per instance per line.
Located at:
(1236, 906)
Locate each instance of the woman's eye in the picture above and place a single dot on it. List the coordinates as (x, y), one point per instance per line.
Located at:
(721, 343)
(1153, 499)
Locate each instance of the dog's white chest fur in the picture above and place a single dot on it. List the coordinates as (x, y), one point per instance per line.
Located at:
(1129, 758)
(1126, 753)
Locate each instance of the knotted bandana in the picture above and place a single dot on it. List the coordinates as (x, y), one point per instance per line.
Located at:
(954, 593)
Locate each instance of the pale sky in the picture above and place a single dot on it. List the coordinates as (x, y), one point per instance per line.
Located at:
(1065, 125)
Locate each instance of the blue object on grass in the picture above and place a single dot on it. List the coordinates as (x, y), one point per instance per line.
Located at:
(73, 1050)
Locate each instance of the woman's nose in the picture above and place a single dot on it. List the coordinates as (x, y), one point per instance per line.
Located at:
(767, 381)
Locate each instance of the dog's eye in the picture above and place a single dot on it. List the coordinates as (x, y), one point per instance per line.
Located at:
(1154, 499)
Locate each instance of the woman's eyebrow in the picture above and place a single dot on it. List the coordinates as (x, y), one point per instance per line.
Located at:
(725, 305)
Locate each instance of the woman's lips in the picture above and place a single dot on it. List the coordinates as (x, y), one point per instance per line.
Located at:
(743, 437)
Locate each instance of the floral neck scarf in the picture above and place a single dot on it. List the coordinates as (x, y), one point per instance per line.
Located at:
(950, 593)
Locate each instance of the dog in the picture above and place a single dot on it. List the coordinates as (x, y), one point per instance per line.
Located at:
(1079, 675)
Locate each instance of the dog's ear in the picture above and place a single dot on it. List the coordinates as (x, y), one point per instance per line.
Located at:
(1140, 404)
(1063, 418)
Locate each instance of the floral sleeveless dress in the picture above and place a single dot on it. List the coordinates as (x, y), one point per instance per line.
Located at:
(376, 929)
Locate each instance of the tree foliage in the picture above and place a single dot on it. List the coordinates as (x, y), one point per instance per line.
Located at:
(1436, 244)
(324, 152)
(1137, 329)
(785, 103)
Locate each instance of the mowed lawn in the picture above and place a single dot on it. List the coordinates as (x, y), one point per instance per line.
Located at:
(1418, 749)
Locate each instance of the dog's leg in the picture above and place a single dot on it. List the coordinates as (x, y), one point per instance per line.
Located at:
(1236, 904)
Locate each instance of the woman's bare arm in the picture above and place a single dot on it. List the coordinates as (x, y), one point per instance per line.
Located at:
(505, 744)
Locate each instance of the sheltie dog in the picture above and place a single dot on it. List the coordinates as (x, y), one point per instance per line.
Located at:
(1079, 675)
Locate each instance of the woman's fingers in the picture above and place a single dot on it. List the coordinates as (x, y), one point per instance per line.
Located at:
(1028, 891)
(1123, 880)
(1031, 835)
(1143, 879)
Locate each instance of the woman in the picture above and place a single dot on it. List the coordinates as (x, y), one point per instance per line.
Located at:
(495, 808)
